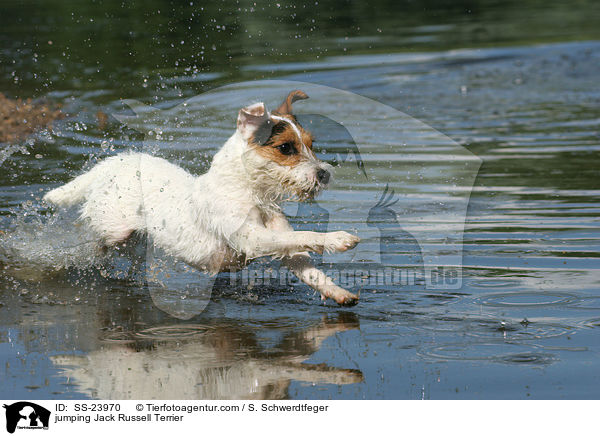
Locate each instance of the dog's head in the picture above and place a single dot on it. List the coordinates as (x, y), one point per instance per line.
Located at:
(279, 154)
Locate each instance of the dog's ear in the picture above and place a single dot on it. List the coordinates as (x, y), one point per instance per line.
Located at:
(286, 107)
(251, 118)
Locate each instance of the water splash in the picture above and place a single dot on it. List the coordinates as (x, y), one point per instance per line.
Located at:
(40, 242)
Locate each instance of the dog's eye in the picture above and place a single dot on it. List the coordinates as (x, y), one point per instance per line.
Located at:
(287, 149)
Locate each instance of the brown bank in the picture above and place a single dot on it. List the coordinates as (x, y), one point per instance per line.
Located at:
(20, 118)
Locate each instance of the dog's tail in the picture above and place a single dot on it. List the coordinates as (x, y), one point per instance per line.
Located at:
(72, 193)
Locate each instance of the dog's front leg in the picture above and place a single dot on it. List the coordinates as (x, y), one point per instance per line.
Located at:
(303, 268)
(301, 265)
(276, 237)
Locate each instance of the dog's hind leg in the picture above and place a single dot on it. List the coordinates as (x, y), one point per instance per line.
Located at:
(116, 236)
(111, 228)
(73, 192)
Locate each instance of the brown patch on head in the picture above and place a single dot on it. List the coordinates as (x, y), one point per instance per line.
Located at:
(278, 141)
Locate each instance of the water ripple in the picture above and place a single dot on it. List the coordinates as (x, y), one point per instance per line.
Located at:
(527, 299)
(493, 352)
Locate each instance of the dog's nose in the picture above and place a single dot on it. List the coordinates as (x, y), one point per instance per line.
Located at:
(323, 176)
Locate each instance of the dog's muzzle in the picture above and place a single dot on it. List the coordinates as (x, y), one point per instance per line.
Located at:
(323, 176)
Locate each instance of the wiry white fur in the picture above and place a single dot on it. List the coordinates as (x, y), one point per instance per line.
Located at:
(217, 221)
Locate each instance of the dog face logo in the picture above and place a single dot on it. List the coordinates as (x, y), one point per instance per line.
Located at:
(26, 415)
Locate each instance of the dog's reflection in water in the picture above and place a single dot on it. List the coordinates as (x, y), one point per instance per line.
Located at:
(190, 361)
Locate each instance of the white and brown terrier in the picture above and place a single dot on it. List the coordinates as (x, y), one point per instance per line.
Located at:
(223, 219)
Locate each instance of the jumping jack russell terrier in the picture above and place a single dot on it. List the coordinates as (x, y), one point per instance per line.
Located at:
(223, 219)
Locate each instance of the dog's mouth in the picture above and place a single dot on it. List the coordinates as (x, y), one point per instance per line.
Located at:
(313, 191)
(304, 193)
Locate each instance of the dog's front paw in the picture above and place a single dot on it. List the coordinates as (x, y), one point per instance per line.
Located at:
(349, 299)
(340, 296)
(340, 241)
